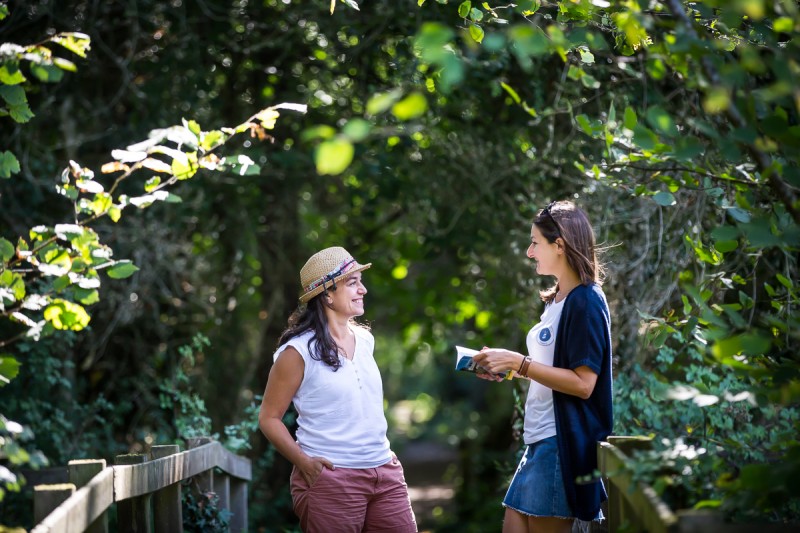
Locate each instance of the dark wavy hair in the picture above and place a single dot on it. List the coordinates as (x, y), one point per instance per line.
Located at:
(321, 344)
(564, 219)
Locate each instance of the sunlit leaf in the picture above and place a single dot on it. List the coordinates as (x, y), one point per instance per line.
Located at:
(75, 42)
(156, 165)
(10, 73)
(334, 156)
(9, 368)
(412, 106)
(121, 269)
(356, 129)
(185, 167)
(381, 102)
(127, 156)
(66, 315)
(476, 32)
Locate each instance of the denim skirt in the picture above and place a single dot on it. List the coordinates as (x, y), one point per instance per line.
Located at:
(538, 488)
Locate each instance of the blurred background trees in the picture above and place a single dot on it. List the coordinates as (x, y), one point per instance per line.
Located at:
(433, 134)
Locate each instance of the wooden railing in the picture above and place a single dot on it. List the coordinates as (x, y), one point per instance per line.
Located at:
(145, 488)
(636, 507)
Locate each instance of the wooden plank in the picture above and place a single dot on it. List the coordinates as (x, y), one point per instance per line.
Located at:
(46, 498)
(135, 480)
(238, 523)
(82, 508)
(167, 509)
(81, 472)
(134, 515)
(652, 513)
(235, 465)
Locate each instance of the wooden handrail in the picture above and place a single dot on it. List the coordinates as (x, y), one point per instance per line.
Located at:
(123, 482)
(637, 507)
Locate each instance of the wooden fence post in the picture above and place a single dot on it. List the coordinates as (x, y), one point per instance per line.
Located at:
(80, 472)
(205, 481)
(238, 507)
(167, 503)
(47, 497)
(133, 514)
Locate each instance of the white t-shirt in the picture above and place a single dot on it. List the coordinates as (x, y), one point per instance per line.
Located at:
(340, 414)
(540, 420)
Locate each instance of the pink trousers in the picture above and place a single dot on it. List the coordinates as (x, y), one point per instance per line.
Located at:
(354, 500)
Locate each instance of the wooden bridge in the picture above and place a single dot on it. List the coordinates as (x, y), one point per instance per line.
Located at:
(146, 490)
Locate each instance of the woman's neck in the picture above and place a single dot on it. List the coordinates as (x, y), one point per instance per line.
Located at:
(566, 283)
(339, 328)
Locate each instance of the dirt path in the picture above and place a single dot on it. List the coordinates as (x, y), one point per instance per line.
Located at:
(426, 468)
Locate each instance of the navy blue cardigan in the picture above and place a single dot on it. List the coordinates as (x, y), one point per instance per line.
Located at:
(583, 339)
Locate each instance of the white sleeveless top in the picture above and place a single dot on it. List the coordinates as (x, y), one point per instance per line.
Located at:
(540, 417)
(340, 414)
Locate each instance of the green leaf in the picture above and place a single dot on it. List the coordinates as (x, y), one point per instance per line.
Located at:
(786, 282)
(9, 368)
(87, 296)
(747, 344)
(476, 15)
(725, 233)
(661, 121)
(717, 100)
(151, 184)
(511, 92)
(14, 96)
(644, 137)
(476, 32)
(586, 126)
(184, 168)
(66, 315)
(383, 101)
(334, 156)
(7, 250)
(783, 25)
(412, 106)
(357, 129)
(47, 73)
(687, 148)
(464, 8)
(75, 42)
(586, 56)
(10, 73)
(121, 269)
(664, 198)
(630, 120)
(8, 164)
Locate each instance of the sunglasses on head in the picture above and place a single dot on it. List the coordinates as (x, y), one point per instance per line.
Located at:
(546, 211)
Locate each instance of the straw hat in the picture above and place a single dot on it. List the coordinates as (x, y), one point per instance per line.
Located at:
(325, 268)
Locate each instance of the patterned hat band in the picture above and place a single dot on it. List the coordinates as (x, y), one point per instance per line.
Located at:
(326, 268)
(332, 275)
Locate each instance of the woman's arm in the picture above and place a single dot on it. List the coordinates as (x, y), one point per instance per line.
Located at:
(579, 382)
(283, 382)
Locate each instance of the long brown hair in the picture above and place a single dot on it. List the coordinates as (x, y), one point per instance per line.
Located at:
(564, 219)
(312, 317)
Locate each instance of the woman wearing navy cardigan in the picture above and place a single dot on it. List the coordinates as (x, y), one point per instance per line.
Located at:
(568, 406)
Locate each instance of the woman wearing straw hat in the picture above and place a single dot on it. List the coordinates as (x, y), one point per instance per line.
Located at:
(345, 476)
(568, 407)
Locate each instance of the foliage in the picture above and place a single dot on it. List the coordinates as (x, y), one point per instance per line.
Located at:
(201, 512)
(433, 134)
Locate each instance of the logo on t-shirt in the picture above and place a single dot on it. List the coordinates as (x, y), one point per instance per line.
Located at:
(545, 336)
